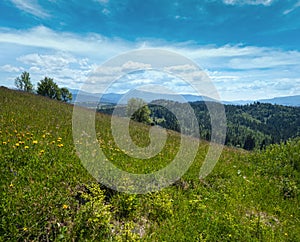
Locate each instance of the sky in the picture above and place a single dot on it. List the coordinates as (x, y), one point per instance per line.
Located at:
(249, 49)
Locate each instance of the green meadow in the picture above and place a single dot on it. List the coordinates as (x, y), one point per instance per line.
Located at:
(47, 194)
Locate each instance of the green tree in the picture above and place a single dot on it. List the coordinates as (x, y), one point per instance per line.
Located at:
(23, 82)
(65, 94)
(249, 143)
(47, 87)
(138, 110)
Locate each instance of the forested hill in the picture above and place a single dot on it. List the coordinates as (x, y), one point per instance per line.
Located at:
(248, 126)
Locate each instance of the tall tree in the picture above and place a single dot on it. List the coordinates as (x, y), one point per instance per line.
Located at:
(47, 87)
(65, 94)
(23, 82)
(138, 110)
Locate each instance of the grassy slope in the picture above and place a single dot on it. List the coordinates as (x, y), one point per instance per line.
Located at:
(46, 194)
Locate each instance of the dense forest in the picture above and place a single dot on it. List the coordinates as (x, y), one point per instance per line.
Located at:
(251, 126)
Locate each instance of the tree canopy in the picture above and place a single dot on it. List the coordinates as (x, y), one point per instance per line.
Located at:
(47, 87)
(138, 110)
(65, 94)
(23, 82)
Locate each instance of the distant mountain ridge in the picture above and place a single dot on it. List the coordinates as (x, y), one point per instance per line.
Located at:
(286, 101)
(114, 98)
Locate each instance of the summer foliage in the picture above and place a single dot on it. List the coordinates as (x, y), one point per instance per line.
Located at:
(46, 87)
(23, 82)
(251, 126)
(47, 195)
(138, 110)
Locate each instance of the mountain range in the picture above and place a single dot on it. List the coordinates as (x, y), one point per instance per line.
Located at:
(114, 98)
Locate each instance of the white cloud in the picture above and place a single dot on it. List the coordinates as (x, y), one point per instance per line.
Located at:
(131, 66)
(241, 57)
(31, 7)
(101, 1)
(248, 2)
(70, 58)
(64, 68)
(10, 68)
(105, 11)
(63, 41)
(296, 5)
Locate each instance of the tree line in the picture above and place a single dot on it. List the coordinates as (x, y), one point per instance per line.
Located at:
(45, 87)
(251, 126)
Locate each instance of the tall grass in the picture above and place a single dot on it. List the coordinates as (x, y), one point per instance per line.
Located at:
(47, 195)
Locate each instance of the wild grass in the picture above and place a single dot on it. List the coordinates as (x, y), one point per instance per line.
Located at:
(47, 194)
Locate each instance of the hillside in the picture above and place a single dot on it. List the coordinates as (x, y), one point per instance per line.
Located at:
(47, 195)
(248, 126)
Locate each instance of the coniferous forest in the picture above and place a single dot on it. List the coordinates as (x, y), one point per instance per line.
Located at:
(250, 126)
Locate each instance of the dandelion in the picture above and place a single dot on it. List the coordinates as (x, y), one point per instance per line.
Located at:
(65, 206)
(53, 142)
(4, 143)
(42, 151)
(60, 145)
(11, 185)
(26, 147)
(286, 234)
(17, 144)
(44, 136)
(25, 229)
(35, 142)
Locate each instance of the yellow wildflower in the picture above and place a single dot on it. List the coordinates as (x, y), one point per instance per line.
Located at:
(11, 185)
(4, 143)
(65, 206)
(26, 147)
(44, 136)
(35, 142)
(60, 145)
(25, 229)
(42, 152)
(17, 144)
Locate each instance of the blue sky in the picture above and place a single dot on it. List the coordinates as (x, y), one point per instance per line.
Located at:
(249, 48)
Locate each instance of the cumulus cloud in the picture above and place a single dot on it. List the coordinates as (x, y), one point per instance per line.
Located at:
(72, 59)
(64, 68)
(131, 66)
(10, 68)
